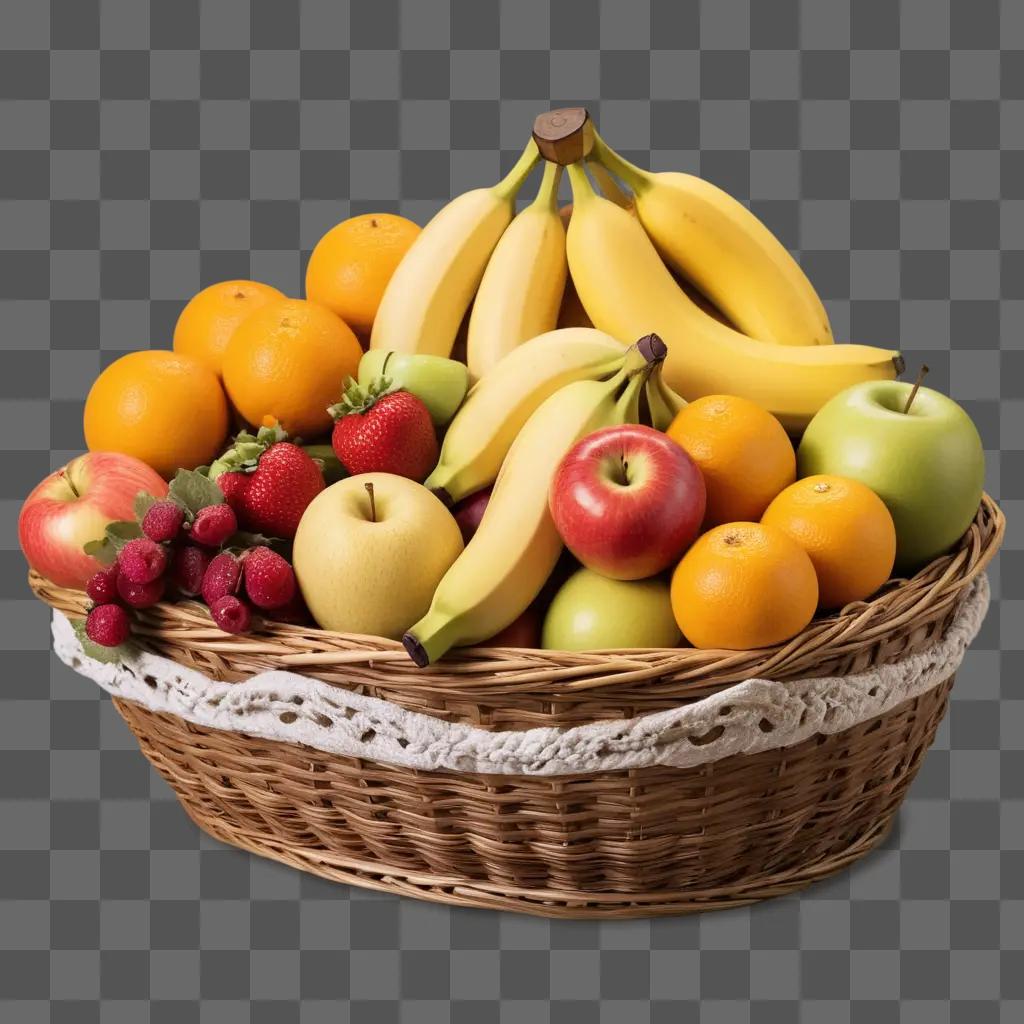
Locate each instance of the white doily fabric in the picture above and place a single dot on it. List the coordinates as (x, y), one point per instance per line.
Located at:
(755, 715)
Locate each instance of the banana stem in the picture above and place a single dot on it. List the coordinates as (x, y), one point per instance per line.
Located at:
(547, 194)
(513, 181)
(635, 177)
(582, 189)
(628, 403)
(610, 188)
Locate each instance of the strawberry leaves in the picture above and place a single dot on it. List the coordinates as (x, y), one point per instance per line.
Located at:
(358, 399)
(244, 454)
(192, 491)
(144, 501)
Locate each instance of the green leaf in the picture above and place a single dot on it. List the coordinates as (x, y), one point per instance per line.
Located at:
(250, 451)
(119, 533)
(243, 540)
(358, 399)
(108, 655)
(330, 466)
(271, 435)
(193, 491)
(116, 535)
(144, 501)
(245, 451)
(101, 549)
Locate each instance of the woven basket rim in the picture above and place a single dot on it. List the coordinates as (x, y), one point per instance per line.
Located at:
(936, 587)
(747, 717)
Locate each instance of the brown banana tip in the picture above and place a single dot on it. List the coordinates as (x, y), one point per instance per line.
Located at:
(900, 363)
(652, 348)
(415, 650)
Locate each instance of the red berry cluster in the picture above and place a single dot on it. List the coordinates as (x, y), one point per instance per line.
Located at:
(186, 556)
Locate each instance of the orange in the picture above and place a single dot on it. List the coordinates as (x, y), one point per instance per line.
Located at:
(743, 586)
(289, 360)
(164, 408)
(351, 265)
(742, 450)
(209, 319)
(845, 528)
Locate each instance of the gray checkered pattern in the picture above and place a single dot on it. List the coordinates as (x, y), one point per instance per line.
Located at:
(150, 149)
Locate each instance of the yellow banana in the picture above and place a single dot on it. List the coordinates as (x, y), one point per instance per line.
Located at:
(430, 291)
(714, 240)
(497, 407)
(521, 289)
(516, 545)
(627, 291)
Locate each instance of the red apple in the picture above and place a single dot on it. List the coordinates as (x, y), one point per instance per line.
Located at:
(627, 501)
(73, 505)
(470, 511)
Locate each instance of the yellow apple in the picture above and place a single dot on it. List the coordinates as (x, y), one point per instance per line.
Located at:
(370, 551)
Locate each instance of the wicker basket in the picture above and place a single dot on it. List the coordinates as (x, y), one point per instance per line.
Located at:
(658, 839)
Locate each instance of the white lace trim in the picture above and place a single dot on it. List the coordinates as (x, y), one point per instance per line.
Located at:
(754, 715)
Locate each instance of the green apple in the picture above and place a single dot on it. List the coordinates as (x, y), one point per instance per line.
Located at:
(440, 383)
(592, 612)
(369, 562)
(927, 463)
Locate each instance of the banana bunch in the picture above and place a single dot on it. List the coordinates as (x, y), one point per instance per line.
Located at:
(651, 252)
(500, 404)
(476, 250)
(515, 548)
(772, 342)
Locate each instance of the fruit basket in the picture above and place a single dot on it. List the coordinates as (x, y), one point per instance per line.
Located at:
(563, 562)
(600, 784)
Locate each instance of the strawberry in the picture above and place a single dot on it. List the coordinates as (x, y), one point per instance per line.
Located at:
(162, 521)
(213, 525)
(188, 567)
(102, 586)
(268, 481)
(231, 614)
(108, 625)
(269, 579)
(223, 576)
(141, 561)
(139, 595)
(233, 485)
(380, 430)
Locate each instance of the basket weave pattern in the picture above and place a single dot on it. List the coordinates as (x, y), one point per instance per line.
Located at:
(736, 830)
(635, 842)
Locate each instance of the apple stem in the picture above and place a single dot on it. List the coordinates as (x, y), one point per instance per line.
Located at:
(373, 503)
(68, 481)
(917, 384)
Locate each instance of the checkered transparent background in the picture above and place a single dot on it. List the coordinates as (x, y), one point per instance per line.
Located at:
(149, 149)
